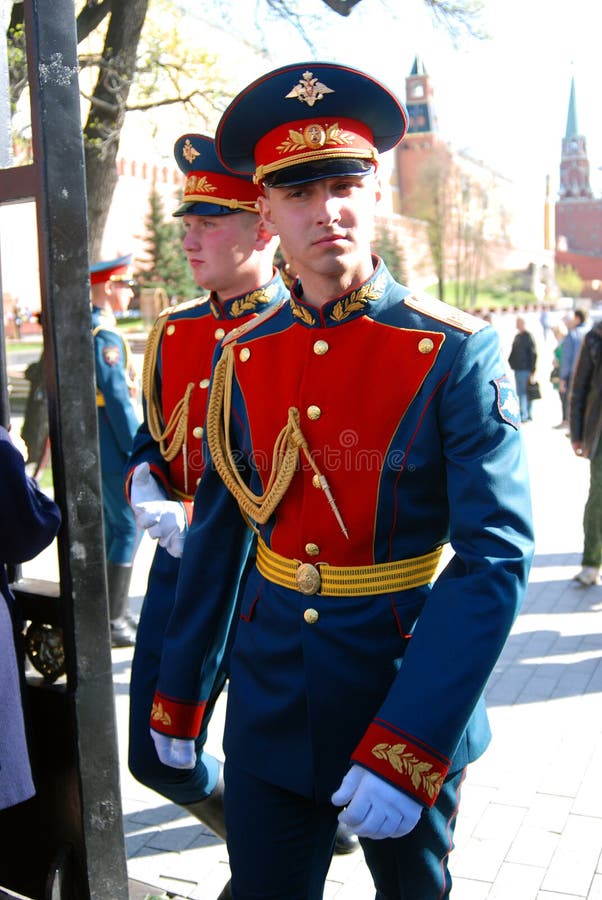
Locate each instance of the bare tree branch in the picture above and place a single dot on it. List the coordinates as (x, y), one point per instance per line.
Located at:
(90, 17)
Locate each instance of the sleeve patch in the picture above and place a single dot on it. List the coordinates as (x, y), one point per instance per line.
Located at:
(507, 401)
(111, 355)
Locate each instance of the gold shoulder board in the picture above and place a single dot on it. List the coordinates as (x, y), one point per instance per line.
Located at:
(243, 330)
(443, 312)
(186, 304)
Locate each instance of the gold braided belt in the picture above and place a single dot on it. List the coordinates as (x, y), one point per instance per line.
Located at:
(350, 581)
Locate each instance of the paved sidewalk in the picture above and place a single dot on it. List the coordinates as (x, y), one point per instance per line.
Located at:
(530, 824)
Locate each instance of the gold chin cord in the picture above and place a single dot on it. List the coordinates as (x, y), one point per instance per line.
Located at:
(290, 441)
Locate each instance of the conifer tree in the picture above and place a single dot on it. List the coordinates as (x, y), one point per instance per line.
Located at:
(386, 245)
(168, 267)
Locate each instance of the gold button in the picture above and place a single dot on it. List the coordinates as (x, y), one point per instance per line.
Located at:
(321, 347)
(313, 412)
(170, 329)
(197, 432)
(204, 383)
(425, 345)
(308, 579)
(311, 616)
(316, 482)
(219, 333)
(312, 549)
(244, 354)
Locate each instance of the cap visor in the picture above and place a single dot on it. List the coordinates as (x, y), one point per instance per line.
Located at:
(317, 170)
(203, 209)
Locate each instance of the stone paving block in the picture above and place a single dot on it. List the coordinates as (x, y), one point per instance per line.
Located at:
(550, 895)
(358, 885)
(548, 811)
(533, 846)
(468, 889)
(573, 865)
(135, 842)
(169, 840)
(588, 801)
(519, 882)
(160, 814)
(595, 891)
(212, 884)
(483, 854)
(542, 684)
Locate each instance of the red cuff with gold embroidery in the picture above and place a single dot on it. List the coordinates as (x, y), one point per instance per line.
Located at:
(175, 717)
(417, 769)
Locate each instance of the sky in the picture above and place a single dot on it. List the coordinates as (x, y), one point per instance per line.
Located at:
(504, 100)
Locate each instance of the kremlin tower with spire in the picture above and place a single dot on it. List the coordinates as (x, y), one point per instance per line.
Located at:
(578, 214)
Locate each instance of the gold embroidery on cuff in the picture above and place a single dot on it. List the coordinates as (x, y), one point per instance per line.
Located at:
(158, 714)
(404, 762)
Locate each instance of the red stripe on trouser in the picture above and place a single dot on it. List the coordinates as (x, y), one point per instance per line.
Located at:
(449, 832)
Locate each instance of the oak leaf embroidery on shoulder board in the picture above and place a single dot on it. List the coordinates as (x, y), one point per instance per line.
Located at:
(251, 301)
(404, 762)
(158, 714)
(300, 312)
(357, 300)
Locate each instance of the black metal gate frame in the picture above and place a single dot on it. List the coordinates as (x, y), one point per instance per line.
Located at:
(67, 842)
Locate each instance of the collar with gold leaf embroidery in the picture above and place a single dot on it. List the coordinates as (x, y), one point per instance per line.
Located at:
(342, 309)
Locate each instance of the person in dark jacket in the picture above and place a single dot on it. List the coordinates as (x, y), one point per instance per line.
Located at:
(522, 360)
(585, 421)
(29, 520)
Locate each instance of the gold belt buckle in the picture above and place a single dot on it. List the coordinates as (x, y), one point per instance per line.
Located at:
(308, 579)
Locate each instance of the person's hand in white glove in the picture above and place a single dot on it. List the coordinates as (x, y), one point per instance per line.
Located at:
(178, 753)
(373, 807)
(165, 520)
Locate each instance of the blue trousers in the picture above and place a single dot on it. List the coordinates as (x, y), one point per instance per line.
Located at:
(178, 785)
(280, 844)
(521, 378)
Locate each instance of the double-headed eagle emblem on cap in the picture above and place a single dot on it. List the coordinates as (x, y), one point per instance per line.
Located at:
(309, 90)
(189, 152)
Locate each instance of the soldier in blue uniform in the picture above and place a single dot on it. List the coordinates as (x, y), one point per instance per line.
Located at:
(111, 293)
(369, 440)
(231, 255)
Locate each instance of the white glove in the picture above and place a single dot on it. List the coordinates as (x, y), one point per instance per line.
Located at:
(143, 487)
(175, 752)
(373, 807)
(164, 519)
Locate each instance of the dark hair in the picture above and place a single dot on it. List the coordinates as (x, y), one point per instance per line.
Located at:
(580, 314)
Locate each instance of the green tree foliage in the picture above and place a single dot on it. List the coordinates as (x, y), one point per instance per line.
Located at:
(167, 265)
(387, 246)
(569, 281)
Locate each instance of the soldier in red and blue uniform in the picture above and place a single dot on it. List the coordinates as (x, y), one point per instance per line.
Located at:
(116, 388)
(231, 255)
(368, 439)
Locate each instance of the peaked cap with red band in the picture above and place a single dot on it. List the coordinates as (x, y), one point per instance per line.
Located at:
(118, 269)
(308, 121)
(210, 188)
